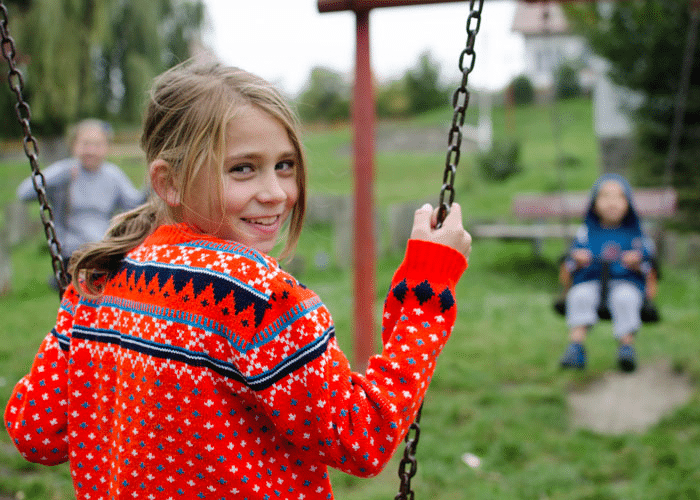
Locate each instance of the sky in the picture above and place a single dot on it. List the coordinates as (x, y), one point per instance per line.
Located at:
(282, 40)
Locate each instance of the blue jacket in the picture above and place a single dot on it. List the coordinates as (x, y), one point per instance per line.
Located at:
(609, 243)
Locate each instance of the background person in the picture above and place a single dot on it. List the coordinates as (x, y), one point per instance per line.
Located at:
(611, 236)
(85, 191)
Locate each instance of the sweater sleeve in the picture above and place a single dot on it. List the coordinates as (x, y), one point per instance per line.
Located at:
(36, 414)
(56, 176)
(354, 421)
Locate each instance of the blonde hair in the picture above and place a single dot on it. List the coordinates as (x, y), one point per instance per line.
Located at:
(185, 125)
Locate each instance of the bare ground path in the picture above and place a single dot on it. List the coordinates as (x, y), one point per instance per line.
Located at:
(629, 402)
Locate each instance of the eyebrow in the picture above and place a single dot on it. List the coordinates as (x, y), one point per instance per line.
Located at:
(255, 156)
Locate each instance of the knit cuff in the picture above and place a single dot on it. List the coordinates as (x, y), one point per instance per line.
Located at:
(435, 262)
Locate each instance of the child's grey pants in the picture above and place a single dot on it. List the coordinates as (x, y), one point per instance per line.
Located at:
(624, 301)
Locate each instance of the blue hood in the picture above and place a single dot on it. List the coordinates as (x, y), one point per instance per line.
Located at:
(631, 221)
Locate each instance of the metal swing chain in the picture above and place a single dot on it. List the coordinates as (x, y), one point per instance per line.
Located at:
(460, 101)
(31, 150)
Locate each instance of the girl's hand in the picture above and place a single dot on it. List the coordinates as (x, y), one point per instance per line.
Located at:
(631, 259)
(582, 257)
(452, 232)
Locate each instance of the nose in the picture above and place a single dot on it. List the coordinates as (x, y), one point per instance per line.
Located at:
(271, 190)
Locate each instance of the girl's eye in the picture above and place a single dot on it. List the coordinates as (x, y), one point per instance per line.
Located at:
(242, 168)
(286, 165)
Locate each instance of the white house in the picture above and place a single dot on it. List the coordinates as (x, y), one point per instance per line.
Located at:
(549, 43)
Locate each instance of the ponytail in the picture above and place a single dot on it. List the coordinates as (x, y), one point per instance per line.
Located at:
(91, 264)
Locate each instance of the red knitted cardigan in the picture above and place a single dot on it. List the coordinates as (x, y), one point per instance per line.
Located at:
(206, 371)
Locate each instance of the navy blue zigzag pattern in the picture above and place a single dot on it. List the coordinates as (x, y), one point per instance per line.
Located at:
(202, 360)
(223, 284)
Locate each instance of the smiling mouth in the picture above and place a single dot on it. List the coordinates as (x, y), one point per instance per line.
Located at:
(263, 221)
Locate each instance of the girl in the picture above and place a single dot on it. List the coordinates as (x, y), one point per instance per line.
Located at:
(185, 362)
(612, 239)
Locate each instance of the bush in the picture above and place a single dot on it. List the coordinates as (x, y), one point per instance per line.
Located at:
(501, 162)
(522, 90)
(566, 83)
(392, 101)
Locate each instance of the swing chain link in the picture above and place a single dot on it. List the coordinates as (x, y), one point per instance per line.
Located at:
(31, 150)
(409, 459)
(460, 102)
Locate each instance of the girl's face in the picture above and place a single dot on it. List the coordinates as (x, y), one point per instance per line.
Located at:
(611, 204)
(259, 183)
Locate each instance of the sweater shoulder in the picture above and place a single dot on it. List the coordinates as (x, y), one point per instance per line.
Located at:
(226, 288)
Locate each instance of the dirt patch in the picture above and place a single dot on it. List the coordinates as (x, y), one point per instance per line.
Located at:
(629, 402)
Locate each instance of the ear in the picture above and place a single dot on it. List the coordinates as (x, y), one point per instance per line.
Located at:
(162, 182)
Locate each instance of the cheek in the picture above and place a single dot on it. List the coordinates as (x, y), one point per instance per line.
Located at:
(235, 196)
(292, 191)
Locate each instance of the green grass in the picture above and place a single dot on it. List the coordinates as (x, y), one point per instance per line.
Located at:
(497, 390)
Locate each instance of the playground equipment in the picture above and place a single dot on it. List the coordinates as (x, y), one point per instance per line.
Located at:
(364, 123)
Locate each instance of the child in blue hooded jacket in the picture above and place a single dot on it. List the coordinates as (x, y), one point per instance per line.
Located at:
(611, 238)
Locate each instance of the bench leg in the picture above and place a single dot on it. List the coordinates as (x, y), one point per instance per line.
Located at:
(537, 247)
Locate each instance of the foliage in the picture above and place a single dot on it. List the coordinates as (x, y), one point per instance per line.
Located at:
(326, 96)
(392, 101)
(522, 90)
(644, 42)
(566, 82)
(422, 85)
(109, 52)
(501, 161)
(9, 126)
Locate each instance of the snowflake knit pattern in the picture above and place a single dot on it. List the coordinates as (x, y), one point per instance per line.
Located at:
(206, 371)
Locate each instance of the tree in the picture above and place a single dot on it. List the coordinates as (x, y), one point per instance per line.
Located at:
(422, 84)
(522, 90)
(566, 82)
(326, 96)
(97, 57)
(644, 42)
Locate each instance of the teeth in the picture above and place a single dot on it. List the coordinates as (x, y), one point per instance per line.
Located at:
(265, 221)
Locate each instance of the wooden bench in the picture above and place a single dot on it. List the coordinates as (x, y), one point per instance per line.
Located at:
(558, 215)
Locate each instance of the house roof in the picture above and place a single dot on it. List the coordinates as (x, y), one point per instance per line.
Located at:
(539, 18)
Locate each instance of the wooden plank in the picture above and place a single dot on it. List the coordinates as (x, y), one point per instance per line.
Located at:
(652, 203)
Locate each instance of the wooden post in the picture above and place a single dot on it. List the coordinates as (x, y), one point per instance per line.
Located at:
(363, 117)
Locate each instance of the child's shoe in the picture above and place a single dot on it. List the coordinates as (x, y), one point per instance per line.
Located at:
(626, 358)
(574, 357)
